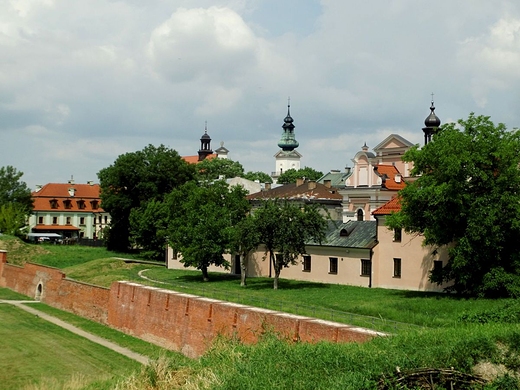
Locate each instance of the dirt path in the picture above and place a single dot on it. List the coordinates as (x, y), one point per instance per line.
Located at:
(95, 339)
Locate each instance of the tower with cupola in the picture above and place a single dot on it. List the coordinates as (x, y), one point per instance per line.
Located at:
(287, 157)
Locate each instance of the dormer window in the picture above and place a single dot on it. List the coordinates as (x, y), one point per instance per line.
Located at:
(54, 203)
(94, 204)
(67, 204)
(81, 204)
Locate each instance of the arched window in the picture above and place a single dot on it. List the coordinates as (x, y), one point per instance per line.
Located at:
(360, 215)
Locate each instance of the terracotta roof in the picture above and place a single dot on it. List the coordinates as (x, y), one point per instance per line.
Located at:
(309, 191)
(195, 159)
(392, 206)
(82, 199)
(388, 174)
(55, 227)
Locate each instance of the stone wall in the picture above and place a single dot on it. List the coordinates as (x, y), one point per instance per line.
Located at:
(177, 321)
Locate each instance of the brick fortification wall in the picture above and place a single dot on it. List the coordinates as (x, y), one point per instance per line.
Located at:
(181, 322)
(50, 286)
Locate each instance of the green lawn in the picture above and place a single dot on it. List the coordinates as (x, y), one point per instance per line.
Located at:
(34, 350)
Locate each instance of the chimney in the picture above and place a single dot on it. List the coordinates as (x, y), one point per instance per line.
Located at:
(300, 181)
(38, 187)
(72, 191)
(90, 182)
(311, 184)
(328, 183)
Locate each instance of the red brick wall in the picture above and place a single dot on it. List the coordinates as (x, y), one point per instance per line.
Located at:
(181, 322)
(189, 323)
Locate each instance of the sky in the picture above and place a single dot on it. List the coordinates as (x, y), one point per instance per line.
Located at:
(82, 82)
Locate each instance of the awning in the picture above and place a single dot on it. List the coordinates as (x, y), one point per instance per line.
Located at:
(50, 235)
(56, 228)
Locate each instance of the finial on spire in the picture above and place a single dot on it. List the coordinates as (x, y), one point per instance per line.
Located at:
(206, 126)
(432, 97)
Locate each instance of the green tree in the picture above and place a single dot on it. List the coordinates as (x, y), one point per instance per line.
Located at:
(262, 177)
(201, 222)
(245, 239)
(148, 228)
(291, 175)
(467, 197)
(284, 228)
(215, 168)
(132, 181)
(14, 190)
(12, 219)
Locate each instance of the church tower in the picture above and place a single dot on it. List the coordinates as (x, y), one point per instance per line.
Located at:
(287, 157)
(205, 144)
(431, 123)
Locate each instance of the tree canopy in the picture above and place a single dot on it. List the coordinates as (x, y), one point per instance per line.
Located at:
(262, 177)
(467, 197)
(284, 227)
(13, 189)
(132, 182)
(216, 168)
(291, 175)
(201, 222)
(15, 201)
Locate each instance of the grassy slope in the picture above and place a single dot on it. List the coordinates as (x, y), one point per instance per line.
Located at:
(33, 349)
(272, 364)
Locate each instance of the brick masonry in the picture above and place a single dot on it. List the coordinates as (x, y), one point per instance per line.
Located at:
(177, 321)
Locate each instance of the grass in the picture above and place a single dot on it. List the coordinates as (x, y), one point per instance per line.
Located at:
(34, 349)
(443, 342)
(5, 293)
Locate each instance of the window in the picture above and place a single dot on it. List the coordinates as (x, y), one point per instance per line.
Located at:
(95, 204)
(360, 215)
(397, 268)
(67, 203)
(397, 235)
(333, 265)
(82, 221)
(106, 219)
(306, 263)
(366, 267)
(100, 219)
(437, 265)
(54, 220)
(68, 220)
(54, 203)
(81, 204)
(40, 220)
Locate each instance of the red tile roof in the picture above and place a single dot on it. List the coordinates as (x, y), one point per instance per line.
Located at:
(56, 227)
(195, 159)
(388, 174)
(58, 193)
(392, 206)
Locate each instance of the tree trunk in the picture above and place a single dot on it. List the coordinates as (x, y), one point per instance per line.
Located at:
(205, 276)
(277, 269)
(243, 270)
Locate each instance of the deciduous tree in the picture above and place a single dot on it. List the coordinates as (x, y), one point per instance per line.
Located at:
(216, 168)
(467, 197)
(133, 180)
(201, 222)
(291, 175)
(13, 189)
(262, 177)
(284, 228)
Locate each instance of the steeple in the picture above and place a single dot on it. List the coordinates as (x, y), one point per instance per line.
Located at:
(431, 123)
(205, 144)
(288, 142)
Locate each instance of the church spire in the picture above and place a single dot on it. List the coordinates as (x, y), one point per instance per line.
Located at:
(431, 123)
(205, 144)
(288, 142)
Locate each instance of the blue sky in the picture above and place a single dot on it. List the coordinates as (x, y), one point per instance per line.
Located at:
(82, 82)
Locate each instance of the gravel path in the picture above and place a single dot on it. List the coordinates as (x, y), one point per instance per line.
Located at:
(96, 339)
